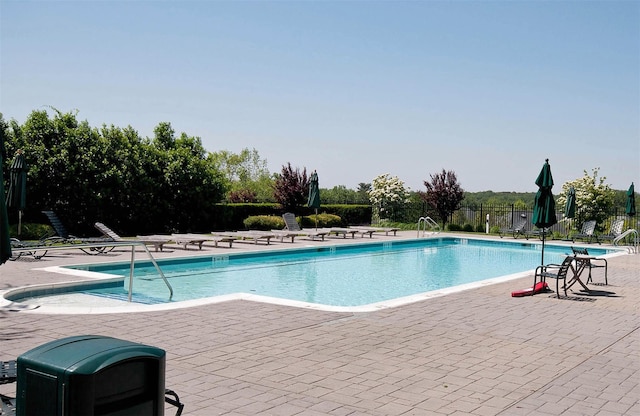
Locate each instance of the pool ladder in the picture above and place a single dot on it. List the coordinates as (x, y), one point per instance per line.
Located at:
(434, 228)
(634, 247)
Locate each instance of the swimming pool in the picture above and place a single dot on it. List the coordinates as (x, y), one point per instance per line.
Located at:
(347, 277)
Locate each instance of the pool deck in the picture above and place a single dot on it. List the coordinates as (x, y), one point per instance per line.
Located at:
(476, 352)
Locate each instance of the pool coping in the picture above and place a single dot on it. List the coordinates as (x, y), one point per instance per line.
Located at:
(126, 307)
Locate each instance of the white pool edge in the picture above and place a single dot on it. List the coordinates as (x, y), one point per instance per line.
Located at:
(132, 308)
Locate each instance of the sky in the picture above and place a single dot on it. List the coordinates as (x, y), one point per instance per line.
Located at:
(352, 89)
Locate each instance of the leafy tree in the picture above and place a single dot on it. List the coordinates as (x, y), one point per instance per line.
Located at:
(594, 198)
(363, 193)
(387, 194)
(291, 188)
(247, 175)
(444, 194)
(111, 174)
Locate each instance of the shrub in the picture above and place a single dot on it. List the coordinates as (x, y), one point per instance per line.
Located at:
(480, 228)
(453, 227)
(264, 222)
(324, 220)
(467, 228)
(30, 231)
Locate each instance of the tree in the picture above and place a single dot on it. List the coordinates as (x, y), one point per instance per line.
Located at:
(110, 174)
(387, 194)
(594, 198)
(247, 175)
(444, 194)
(363, 193)
(291, 188)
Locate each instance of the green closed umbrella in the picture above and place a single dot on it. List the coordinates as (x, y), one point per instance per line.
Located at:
(630, 209)
(544, 208)
(570, 205)
(16, 197)
(314, 194)
(5, 239)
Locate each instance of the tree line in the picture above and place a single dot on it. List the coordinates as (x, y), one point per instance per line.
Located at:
(170, 182)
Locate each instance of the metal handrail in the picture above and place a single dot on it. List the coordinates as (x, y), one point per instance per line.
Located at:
(622, 236)
(132, 244)
(435, 228)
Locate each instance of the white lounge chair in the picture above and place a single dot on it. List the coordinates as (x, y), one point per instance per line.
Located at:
(282, 234)
(292, 225)
(342, 231)
(200, 239)
(157, 241)
(366, 230)
(250, 235)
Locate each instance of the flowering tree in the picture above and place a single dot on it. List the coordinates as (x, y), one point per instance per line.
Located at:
(594, 198)
(386, 194)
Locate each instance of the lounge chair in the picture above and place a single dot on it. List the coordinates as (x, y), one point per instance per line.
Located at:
(157, 241)
(555, 271)
(516, 230)
(248, 235)
(363, 231)
(614, 231)
(282, 234)
(587, 232)
(342, 231)
(63, 237)
(200, 239)
(291, 224)
(537, 232)
(366, 230)
(19, 248)
(589, 260)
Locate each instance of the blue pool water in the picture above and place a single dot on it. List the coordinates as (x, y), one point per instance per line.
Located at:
(349, 275)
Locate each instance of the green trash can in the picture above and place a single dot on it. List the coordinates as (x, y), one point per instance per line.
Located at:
(91, 375)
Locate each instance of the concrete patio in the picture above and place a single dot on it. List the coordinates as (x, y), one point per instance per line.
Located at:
(476, 352)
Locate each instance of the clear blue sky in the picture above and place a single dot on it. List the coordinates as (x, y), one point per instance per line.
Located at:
(353, 89)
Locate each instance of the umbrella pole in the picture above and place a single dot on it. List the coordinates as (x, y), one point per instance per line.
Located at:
(316, 219)
(19, 222)
(543, 236)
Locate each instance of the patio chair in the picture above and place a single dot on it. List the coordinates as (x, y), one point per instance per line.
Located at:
(63, 237)
(555, 271)
(614, 231)
(292, 225)
(587, 232)
(156, 241)
(516, 230)
(589, 260)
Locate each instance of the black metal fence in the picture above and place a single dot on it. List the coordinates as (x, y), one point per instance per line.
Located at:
(498, 216)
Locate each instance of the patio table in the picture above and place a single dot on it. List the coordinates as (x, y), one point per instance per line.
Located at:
(579, 265)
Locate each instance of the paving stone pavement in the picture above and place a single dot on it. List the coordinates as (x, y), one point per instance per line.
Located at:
(477, 352)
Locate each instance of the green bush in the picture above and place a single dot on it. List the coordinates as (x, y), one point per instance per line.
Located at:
(467, 228)
(454, 227)
(30, 231)
(494, 230)
(480, 228)
(324, 220)
(264, 222)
